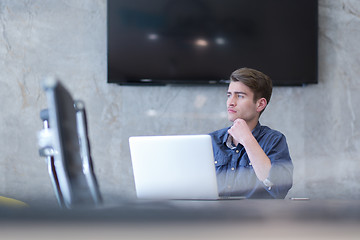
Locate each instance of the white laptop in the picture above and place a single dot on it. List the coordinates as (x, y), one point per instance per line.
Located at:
(174, 167)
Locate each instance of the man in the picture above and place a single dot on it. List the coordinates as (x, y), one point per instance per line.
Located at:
(251, 160)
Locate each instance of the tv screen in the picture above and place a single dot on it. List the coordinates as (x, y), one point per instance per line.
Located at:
(203, 41)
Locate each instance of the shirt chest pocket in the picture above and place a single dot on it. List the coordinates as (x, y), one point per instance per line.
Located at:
(240, 158)
(221, 158)
(244, 161)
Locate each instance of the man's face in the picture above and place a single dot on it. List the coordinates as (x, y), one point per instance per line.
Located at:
(240, 103)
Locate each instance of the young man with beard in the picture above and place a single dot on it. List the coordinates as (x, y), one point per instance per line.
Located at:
(251, 160)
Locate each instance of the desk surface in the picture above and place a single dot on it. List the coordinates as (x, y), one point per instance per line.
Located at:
(313, 219)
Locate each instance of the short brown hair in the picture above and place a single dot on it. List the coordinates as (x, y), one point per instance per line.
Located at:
(257, 81)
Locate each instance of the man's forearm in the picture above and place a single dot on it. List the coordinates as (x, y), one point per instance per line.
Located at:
(260, 162)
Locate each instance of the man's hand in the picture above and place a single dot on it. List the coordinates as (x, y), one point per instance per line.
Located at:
(240, 131)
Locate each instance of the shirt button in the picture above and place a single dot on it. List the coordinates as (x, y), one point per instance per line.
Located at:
(215, 162)
(232, 169)
(237, 151)
(250, 163)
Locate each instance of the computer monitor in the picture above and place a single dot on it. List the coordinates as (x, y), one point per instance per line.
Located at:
(64, 142)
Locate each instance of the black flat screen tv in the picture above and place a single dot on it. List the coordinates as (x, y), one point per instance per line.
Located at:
(203, 41)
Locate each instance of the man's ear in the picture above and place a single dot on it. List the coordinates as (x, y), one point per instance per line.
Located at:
(261, 104)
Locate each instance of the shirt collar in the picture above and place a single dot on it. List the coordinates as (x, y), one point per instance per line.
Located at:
(256, 131)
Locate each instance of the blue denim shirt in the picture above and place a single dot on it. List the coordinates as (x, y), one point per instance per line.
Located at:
(235, 174)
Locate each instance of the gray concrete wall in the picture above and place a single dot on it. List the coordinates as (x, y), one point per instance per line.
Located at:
(68, 39)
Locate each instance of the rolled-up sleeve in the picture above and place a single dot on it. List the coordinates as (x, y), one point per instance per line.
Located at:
(281, 172)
